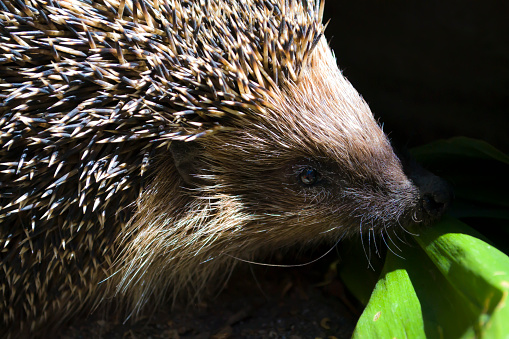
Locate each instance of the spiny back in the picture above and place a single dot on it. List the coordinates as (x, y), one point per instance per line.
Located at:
(92, 93)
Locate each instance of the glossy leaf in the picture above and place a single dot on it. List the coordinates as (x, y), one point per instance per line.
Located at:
(451, 285)
(459, 147)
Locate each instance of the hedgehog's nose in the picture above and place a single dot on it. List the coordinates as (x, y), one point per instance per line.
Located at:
(436, 195)
(435, 203)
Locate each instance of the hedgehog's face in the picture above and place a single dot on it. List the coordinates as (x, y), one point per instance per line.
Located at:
(298, 193)
(318, 164)
(315, 166)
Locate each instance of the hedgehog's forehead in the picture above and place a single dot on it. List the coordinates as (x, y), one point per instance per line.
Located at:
(343, 136)
(324, 113)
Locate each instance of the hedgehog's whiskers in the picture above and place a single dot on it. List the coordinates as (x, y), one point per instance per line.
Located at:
(286, 266)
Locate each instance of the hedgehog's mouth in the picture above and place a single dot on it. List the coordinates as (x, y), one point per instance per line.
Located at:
(435, 194)
(435, 198)
(421, 200)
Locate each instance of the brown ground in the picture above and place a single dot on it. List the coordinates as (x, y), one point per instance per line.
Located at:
(262, 303)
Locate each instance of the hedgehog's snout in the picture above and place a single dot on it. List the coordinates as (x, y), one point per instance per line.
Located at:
(435, 195)
(435, 202)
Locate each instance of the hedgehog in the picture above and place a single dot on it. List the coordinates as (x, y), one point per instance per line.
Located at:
(149, 146)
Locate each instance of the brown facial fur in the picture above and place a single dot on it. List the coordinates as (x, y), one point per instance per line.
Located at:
(245, 197)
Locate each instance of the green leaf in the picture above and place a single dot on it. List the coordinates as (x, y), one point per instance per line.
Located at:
(452, 283)
(451, 286)
(466, 209)
(393, 310)
(475, 269)
(360, 276)
(459, 147)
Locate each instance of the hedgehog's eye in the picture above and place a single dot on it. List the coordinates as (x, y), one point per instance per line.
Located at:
(309, 176)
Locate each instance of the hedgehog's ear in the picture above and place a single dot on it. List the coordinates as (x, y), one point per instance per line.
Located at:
(186, 158)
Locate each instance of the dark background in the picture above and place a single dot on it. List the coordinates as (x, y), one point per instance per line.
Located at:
(428, 69)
